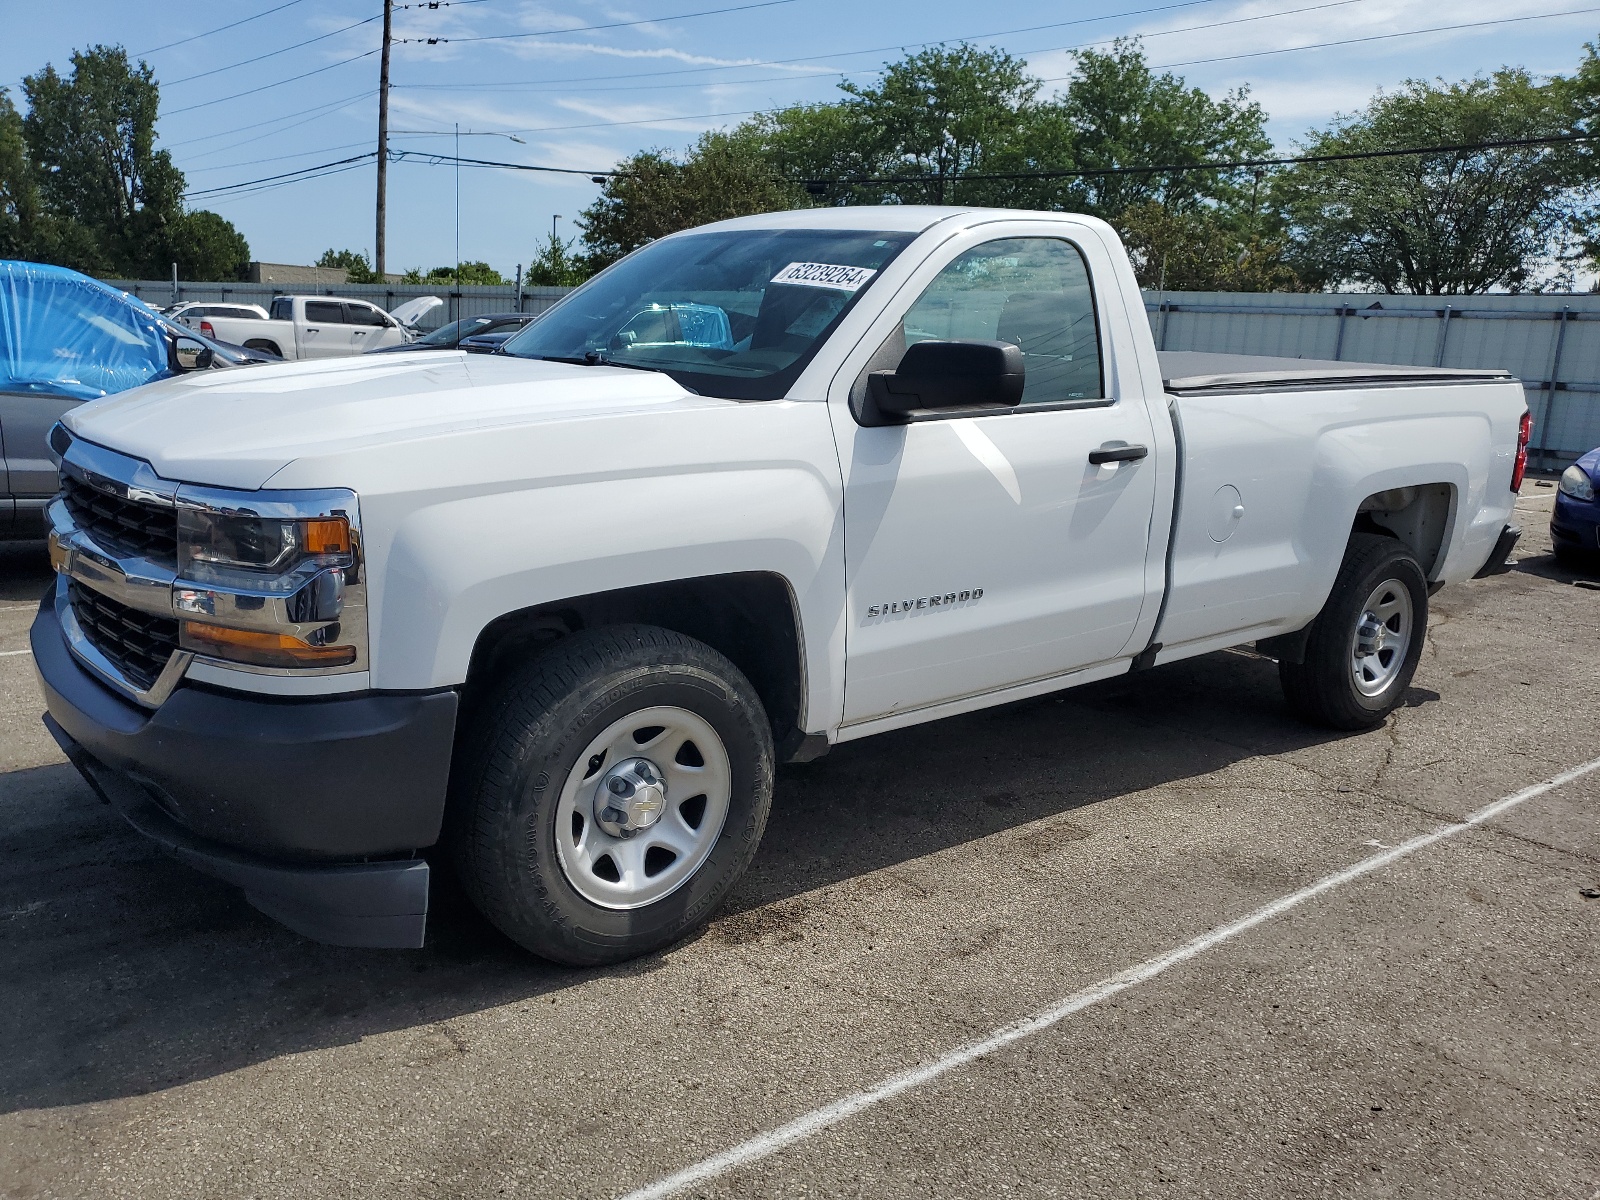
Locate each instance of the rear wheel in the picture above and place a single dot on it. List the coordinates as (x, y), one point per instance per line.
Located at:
(1365, 643)
(269, 347)
(611, 793)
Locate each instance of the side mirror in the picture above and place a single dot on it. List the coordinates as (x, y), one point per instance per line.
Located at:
(945, 379)
(190, 355)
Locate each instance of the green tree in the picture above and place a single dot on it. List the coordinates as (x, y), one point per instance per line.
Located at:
(1203, 249)
(474, 274)
(1454, 221)
(1116, 112)
(557, 265)
(207, 247)
(651, 195)
(941, 114)
(356, 266)
(91, 140)
(19, 190)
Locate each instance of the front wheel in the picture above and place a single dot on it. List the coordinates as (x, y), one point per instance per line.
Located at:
(610, 794)
(1366, 641)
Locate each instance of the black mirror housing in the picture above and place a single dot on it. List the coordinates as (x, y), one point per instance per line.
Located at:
(965, 377)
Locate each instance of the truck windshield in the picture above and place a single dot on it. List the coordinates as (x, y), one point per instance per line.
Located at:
(735, 314)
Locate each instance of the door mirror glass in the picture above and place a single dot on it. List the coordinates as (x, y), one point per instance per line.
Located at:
(967, 377)
(190, 355)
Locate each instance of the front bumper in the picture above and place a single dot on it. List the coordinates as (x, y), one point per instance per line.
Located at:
(1575, 523)
(291, 800)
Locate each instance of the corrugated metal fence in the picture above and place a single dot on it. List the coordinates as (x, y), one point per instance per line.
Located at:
(1550, 342)
(463, 302)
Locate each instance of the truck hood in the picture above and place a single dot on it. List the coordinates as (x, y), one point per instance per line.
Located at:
(239, 427)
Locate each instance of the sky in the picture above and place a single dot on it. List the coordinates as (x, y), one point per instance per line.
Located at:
(252, 89)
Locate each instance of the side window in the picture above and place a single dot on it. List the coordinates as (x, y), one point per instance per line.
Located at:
(325, 312)
(362, 314)
(282, 309)
(1031, 292)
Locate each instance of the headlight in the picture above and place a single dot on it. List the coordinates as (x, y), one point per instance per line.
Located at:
(1576, 483)
(271, 580)
(218, 545)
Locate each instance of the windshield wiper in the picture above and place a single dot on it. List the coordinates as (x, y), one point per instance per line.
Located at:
(590, 358)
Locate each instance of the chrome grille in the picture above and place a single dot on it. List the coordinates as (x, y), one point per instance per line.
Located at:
(138, 643)
(129, 528)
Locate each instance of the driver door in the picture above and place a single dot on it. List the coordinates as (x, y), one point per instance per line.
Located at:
(986, 552)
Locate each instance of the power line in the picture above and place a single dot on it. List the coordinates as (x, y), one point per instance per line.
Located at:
(1163, 66)
(435, 159)
(171, 112)
(1377, 37)
(506, 37)
(255, 162)
(431, 159)
(321, 37)
(783, 62)
(291, 176)
(599, 124)
(1237, 164)
(309, 115)
(195, 37)
(1047, 50)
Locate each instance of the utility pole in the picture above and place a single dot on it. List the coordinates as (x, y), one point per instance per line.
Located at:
(458, 207)
(553, 221)
(379, 243)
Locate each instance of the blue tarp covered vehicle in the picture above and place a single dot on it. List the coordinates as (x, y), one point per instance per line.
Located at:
(65, 334)
(64, 339)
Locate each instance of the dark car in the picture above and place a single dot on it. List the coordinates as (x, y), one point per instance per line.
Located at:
(65, 339)
(1575, 523)
(467, 334)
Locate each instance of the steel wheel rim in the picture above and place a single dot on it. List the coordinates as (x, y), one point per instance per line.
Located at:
(638, 873)
(1382, 637)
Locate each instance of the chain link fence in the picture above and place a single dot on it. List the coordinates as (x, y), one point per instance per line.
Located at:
(458, 302)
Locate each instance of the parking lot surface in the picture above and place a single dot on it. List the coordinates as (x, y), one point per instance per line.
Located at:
(1429, 1028)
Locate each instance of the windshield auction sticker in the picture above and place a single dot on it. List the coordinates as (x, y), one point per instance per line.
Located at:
(825, 275)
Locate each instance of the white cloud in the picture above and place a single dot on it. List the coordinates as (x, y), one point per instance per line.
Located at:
(1234, 31)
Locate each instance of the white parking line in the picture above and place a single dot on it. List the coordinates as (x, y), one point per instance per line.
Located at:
(13, 653)
(816, 1121)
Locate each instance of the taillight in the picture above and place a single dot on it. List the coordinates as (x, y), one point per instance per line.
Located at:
(205, 328)
(1520, 468)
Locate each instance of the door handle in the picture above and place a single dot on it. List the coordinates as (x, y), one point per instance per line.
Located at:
(1109, 453)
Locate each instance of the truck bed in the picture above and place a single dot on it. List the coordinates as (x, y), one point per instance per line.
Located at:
(1192, 372)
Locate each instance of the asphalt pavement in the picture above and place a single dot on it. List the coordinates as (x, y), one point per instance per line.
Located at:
(1428, 1026)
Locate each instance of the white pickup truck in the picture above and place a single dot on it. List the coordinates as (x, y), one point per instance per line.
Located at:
(316, 326)
(759, 488)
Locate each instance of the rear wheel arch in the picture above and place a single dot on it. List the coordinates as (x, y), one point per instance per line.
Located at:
(1419, 516)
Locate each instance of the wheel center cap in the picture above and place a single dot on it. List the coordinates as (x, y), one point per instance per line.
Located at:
(632, 796)
(1372, 635)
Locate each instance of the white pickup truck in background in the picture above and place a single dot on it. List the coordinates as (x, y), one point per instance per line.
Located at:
(318, 326)
(759, 488)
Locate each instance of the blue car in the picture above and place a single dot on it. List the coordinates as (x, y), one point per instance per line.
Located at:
(65, 339)
(1575, 524)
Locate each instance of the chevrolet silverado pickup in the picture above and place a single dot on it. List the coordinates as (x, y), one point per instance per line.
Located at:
(761, 487)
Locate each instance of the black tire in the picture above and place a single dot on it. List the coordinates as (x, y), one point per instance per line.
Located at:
(259, 344)
(1323, 688)
(525, 741)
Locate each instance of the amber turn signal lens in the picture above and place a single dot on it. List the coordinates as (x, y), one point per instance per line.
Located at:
(327, 535)
(261, 649)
